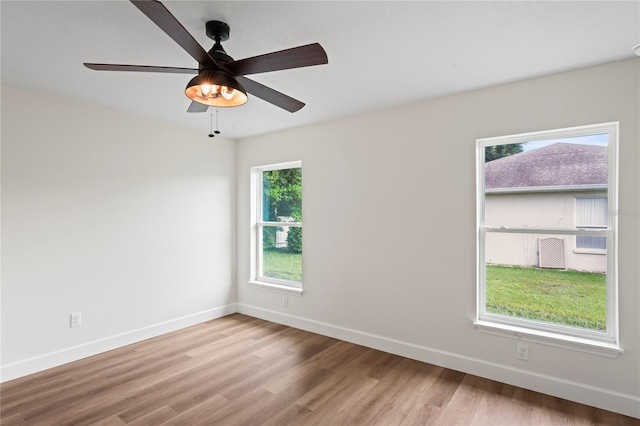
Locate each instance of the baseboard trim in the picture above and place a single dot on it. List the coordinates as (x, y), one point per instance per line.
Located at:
(35, 364)
(605, 399)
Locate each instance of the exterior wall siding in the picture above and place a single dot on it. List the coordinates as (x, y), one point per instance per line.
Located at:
(536, 209)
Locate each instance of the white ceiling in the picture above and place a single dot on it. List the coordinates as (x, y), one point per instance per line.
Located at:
(381, 54)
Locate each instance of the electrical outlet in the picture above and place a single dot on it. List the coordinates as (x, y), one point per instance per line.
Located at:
(76, 319)
(285, 301)
(522, 351)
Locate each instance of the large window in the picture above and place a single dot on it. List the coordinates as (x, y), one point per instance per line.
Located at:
(547, 238)
(277, 226)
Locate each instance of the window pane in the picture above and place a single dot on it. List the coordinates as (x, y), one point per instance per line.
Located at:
(282, 195)
(591, 212)
(589, 242)
(540, 183)
(282, 252)
(539, 277)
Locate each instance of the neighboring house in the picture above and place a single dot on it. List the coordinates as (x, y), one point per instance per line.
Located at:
(561, 185)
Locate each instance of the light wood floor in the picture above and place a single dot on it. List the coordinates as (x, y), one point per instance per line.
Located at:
(240, 370)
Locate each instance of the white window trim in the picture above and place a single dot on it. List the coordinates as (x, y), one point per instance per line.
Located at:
(286, 289)
(605, 344)
(610, 350)
(590, 251)
(256, 280)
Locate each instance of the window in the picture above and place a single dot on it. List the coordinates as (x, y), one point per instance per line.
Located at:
(277, 227)
(591, 213)
(546, 243)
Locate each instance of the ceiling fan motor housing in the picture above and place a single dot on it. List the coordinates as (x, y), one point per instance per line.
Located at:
(218, 55)
(218, 31)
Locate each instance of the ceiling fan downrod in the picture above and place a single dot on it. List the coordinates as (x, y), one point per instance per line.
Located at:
(218, 31)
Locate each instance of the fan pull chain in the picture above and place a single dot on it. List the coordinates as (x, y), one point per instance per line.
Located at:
(217, 132)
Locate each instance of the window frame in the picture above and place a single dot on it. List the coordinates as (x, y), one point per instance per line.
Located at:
(257, 279)
(592, 341)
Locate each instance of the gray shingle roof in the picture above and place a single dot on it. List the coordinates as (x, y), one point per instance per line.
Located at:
(560, 164)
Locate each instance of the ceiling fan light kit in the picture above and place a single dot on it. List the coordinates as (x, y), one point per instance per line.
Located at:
(216, 88)
(221, 81)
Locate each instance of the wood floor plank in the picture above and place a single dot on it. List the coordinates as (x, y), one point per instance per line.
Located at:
(198, 414)
(13, 420)
(183, 391)
(327, 389)
(240, 370)
(561, 411)
(466, 398)
(178, 338)
(155, 417)
(336, 410)
(255, 408)
(410, 405)
(421, 414)
(103, 391)
(338, 357)
(292, 415)
(380, 400)
(498, 407)
(303, 344)
(60, 378)
(285, 363)
(113, 420)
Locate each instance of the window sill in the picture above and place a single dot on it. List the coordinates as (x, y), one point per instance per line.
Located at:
(295, 291)
(590, 251)
(595, 347)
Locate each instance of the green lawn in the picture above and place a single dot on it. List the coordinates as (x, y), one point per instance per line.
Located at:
(563, 297)
(280, 263)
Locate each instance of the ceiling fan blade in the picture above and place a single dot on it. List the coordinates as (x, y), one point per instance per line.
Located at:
(197, 107)
(297, 57)
(140, 68)
(270, 95)
(161, 16)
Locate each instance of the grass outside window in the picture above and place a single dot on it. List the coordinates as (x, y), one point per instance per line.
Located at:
(282, 264)
(571, 298)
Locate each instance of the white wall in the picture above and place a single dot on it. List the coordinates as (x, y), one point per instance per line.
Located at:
(127, 220)
(389, 229)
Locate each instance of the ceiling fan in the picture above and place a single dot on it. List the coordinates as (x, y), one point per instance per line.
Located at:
(220, 80)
